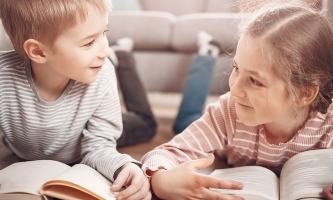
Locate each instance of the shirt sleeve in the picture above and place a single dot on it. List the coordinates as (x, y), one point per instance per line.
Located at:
(102, 131)
(197, 141)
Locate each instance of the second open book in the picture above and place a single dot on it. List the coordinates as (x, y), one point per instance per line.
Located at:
(302, 177)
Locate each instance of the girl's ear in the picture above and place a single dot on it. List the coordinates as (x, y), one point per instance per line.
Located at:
(308, 96)
(34, 50)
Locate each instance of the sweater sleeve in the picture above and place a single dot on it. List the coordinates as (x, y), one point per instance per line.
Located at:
(102, 131)
(201, 138)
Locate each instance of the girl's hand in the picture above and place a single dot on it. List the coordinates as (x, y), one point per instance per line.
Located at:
(328, 193)
(136, 183)
(183, 182)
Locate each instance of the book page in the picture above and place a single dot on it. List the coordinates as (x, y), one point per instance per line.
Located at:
(259, 183)
(20, 197)
(28, 177)
(84, 179)
(306, 174)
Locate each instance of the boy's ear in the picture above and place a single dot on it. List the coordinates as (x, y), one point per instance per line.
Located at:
(34, 50)
(308, 96)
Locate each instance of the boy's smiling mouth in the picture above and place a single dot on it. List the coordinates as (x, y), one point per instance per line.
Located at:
(96, 67)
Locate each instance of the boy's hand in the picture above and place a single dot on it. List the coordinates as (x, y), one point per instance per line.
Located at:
(328, 193)
(136, 183)
(183, 182)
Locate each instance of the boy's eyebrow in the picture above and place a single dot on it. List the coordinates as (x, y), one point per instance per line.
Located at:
(251, 71)
(91, 36)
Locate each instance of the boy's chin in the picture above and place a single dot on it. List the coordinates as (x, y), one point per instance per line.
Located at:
(87, 81)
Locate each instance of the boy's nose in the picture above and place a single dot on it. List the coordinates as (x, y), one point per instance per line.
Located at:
(105, 50)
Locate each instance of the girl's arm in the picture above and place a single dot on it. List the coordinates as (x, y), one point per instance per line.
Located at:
(183, 182)
(173, 165)
(326, 191)
(201, 138)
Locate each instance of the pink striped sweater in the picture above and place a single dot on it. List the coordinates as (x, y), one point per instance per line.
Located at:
(220, 129)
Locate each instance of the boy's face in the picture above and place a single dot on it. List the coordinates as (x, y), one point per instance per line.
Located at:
(261, 97)
(80, 51)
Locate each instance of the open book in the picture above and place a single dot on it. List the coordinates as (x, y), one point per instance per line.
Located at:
(303, 177)
(47, 179)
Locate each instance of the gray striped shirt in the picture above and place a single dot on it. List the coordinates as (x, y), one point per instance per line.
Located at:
(82, 124)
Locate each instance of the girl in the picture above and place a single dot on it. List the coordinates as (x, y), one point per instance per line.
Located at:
(278, 105)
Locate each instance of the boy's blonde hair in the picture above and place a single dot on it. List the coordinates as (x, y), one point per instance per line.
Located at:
(44, 20)
(297, 42)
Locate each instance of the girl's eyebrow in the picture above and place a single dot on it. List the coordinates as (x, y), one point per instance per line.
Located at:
(254, 73)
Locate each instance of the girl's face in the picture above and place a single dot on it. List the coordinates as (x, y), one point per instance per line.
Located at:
(261, 97)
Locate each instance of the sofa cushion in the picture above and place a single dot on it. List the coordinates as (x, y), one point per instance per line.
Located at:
(149, 30)
(176, 7)
(222, 26)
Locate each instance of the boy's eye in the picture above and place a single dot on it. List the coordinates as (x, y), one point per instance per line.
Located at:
(235, 68)
(105, 32)
(255, 82)
(89, 44)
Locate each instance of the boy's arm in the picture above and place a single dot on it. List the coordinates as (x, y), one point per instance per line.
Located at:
(103, 129)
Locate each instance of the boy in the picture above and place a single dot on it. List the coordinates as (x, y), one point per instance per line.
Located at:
(58, 93)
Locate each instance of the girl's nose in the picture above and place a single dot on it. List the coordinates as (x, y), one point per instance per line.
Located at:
(237, 88)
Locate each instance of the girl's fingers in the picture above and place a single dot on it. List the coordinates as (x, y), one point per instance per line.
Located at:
(201, 163)
(213, 182)
(209, 194)
(328, 194)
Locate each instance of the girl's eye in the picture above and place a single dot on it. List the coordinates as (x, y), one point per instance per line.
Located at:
(89, 44)
(255, 82)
